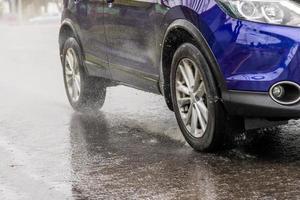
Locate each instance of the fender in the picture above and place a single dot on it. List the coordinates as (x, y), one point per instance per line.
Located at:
(69, 23)
(191, 28)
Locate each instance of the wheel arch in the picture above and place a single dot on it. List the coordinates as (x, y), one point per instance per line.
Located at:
(177, 33)
(67, 30)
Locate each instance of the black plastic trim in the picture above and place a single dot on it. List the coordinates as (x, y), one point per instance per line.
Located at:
(258, 105)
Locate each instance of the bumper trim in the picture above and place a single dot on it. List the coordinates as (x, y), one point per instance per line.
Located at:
(258, 105)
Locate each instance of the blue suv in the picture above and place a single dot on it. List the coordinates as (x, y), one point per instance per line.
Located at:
(222, 65)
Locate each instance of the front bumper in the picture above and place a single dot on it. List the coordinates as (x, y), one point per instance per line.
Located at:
(260, 56)
(258, 105)
(252, 56)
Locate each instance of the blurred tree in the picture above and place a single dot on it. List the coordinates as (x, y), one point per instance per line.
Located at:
(40, 3)
(1, 7)
(33, 8)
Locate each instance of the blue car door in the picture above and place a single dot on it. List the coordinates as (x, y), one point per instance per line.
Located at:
(90, 19)
(131, 42)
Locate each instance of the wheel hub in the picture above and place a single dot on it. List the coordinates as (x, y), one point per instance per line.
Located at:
(191, 97)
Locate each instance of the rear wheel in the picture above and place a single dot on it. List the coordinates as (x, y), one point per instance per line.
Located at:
(199, 113)
(85, 93)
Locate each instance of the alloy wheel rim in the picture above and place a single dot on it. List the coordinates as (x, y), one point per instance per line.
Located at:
(72, 75)
(191, 97)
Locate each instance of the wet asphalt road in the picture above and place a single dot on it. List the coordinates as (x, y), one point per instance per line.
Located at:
(131, 150)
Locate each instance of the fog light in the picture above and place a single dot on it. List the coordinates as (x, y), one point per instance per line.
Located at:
(278, 91)
(285, 93)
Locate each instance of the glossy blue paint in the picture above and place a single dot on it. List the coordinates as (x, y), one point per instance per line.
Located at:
(129, 34)
(252, 56)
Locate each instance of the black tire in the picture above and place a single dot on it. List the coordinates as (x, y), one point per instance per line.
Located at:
(214, 136)
(92, 89)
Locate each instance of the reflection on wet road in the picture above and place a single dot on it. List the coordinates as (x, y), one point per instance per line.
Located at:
(131, 149)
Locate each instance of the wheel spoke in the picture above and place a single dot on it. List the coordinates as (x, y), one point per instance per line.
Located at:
(77, 76)
(78, 93)
(185, 76)
(182, 88)
(203, 109)
(201, 119)
(189, 73)
(73, 60)
(201, 90)
(198, 80)
(75, 90)
(77, 83)
(68, 71)
(194, 121)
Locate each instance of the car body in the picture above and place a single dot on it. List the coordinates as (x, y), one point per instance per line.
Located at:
(132, 43)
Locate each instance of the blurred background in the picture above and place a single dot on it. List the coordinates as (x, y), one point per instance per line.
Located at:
(32, 11)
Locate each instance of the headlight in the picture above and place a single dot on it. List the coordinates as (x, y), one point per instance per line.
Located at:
(283, 12)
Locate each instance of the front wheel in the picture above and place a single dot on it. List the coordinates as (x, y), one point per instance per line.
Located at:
(198, 111)
(85, 93)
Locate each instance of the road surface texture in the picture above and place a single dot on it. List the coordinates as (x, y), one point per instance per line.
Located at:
(132, 149)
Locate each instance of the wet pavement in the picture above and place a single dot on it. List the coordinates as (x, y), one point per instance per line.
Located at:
(132, 149)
